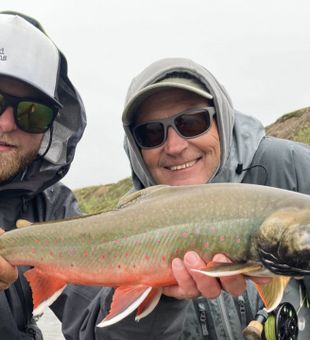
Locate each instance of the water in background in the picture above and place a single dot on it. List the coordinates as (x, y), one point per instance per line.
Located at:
(50, 326)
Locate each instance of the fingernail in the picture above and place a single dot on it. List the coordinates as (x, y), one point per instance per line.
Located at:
(221, 258)
(191, 258)
(177, 263)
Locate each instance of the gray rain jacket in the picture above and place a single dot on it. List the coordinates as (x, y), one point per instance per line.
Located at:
(36, 195)
(248, 156)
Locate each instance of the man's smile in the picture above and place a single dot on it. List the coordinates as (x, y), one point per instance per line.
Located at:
(183, 165)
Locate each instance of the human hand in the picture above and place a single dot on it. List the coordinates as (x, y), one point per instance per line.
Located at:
(8, 273)
(192, 284)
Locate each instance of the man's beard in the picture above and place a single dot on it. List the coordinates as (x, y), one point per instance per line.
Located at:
(13, 162)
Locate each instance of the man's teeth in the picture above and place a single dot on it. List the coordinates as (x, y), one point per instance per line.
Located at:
(182, 166)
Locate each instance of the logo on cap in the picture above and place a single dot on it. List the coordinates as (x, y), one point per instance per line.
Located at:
(3, 56)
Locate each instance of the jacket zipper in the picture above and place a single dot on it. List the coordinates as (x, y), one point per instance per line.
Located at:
(227, 327)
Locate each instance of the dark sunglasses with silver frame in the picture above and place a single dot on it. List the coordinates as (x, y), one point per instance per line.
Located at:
(188, 124)
(32, 115)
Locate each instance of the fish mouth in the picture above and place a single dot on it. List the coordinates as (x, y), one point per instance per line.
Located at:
(274, 264)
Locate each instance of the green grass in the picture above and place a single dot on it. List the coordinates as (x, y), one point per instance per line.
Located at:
(102, 197)
(303, 135)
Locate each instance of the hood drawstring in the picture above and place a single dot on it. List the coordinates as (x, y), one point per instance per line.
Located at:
(239, 170)
(49, 142)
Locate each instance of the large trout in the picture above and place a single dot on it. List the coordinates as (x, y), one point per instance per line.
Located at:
(263, 230)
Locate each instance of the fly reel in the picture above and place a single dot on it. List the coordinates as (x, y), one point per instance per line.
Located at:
(282, 323)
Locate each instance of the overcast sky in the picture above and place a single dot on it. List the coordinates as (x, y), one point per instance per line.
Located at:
(258, 49)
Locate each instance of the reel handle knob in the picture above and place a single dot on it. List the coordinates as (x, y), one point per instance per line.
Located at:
(254, 329)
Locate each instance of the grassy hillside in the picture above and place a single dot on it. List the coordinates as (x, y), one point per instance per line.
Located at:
(294, 125)
(102, 197)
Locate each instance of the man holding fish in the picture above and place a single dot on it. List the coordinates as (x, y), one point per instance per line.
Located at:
(41, 120)
(182, 129)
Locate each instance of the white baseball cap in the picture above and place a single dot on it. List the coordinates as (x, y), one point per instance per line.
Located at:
(27, 54)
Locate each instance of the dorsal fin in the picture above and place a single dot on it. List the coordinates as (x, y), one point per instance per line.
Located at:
(143, 193)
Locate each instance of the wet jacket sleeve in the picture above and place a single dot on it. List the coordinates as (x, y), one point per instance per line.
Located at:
(81, 308)
(281, 163)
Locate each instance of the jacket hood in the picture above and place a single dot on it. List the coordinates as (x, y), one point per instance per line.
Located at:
(59, 143)
(239, 134)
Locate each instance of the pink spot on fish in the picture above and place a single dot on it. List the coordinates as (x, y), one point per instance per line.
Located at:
(126, 254)
(33, 250)
(147, 257)
(86, 253)
(164, 258)
(222, 238)
(206, 245)
(46, 242)
(116, 241)
(158, 241)
(185, 234)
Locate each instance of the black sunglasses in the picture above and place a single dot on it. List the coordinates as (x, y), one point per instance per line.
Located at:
(188, 124)
(31, 115)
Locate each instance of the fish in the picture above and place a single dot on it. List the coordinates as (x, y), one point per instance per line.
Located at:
(265, 231)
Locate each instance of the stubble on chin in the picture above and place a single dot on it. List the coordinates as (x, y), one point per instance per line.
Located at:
(13, 162)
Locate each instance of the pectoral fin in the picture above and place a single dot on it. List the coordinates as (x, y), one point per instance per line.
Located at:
(229, 269)
(272, 293)
(127, 299)
(45, 289)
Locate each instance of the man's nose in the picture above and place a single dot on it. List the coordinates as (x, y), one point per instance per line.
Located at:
(174, 143)
(7, 121)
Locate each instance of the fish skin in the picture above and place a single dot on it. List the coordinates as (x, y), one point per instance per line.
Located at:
(133, 246)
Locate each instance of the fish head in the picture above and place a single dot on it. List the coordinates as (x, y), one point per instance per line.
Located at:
(287, 251)
(294, 248)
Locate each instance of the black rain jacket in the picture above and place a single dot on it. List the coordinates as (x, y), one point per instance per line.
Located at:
(37, 195)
